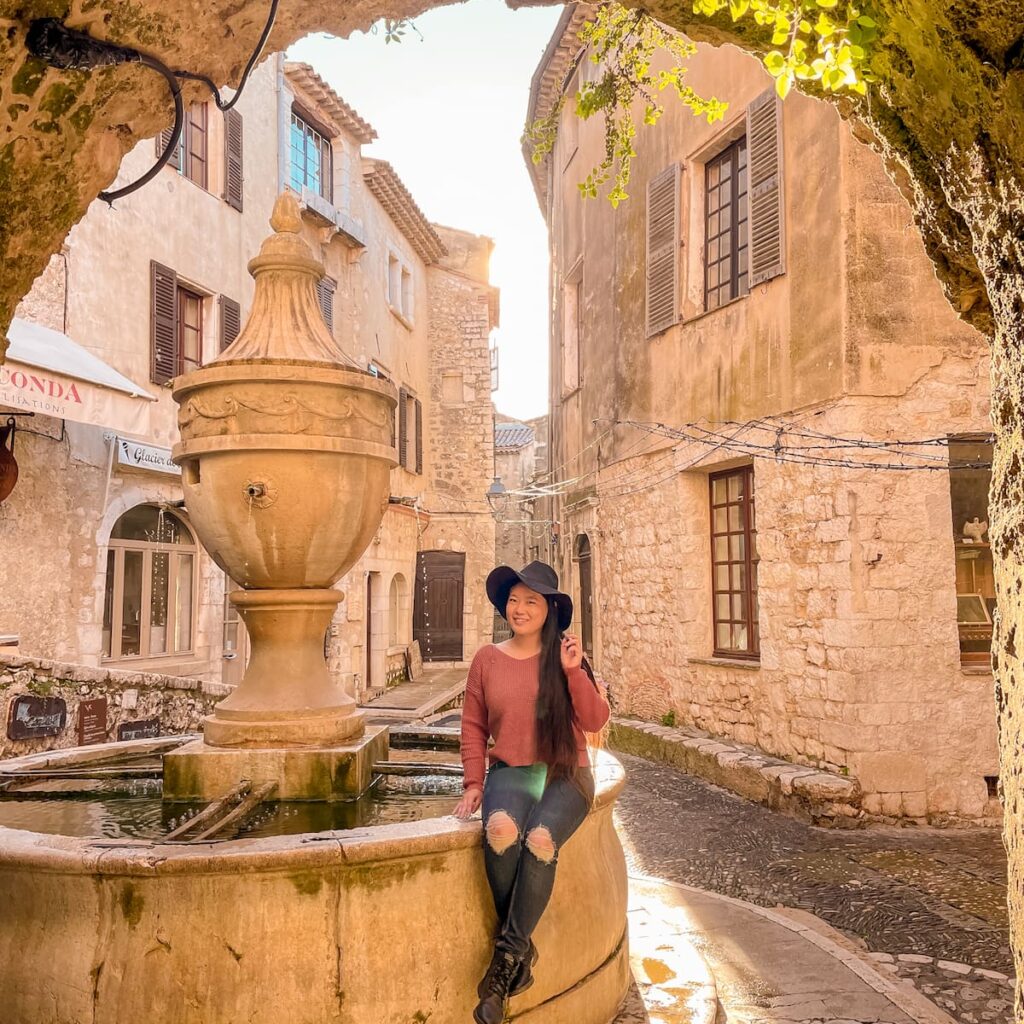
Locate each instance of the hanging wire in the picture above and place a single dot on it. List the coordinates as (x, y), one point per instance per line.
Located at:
(61, 47)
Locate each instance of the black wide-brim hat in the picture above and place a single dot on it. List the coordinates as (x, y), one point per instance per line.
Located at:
(538, 576)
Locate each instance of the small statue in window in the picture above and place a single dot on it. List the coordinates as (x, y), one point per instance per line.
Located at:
(974, 531)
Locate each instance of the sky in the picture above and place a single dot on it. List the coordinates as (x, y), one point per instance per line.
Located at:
(449, 110)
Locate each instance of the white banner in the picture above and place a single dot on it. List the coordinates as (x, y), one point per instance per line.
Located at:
(48, 393)
(145, 456)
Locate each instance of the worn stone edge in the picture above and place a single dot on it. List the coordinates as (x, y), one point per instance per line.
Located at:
(810, 794)
(898, 991)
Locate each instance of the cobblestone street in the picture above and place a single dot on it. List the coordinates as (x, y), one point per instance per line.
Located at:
(929, 903)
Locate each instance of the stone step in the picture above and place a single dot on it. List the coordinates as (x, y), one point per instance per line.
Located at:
(810, 794)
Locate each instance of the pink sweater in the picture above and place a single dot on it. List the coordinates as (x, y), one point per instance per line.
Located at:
(501, 701)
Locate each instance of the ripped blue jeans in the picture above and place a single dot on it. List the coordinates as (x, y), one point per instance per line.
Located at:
(526, 823)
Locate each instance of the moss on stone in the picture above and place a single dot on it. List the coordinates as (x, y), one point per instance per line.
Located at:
(28, 77)
(307, 883)
(131, 903)
(41, 687)
(58, 100)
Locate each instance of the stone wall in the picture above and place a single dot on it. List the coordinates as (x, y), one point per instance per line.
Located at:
(460, 459)
(179, 704)
(859, 671)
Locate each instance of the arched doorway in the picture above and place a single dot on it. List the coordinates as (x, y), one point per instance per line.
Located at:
(586, 610)
(149, 604)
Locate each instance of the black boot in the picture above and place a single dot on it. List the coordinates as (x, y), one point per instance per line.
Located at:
(491, 1008)
(524, 979)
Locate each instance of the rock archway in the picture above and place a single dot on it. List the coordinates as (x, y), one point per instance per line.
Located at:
(946, 111)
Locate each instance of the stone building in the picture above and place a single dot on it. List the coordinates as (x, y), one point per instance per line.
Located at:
(759, 326)
(101, 565)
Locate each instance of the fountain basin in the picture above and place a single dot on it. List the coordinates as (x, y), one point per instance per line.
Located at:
(382, 925)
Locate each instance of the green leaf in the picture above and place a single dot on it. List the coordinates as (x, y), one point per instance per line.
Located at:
(737, 8)
(775, 62)
(783, 84)
(827, 3)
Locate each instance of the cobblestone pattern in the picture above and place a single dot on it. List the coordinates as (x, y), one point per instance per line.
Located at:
(179, 703)
(971, 994)
(939, 894)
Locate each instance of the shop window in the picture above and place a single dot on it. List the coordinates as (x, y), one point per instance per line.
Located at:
(970, 476)
(149, 603)
(725, 221)
(734, 564)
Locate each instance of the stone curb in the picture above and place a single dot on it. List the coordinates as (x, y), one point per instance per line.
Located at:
(899, 992)
(810, 794)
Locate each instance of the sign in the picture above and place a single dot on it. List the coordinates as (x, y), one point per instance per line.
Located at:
(145, 456)
(147, 729)
(92, 721)
(41, 391)
(35, 717)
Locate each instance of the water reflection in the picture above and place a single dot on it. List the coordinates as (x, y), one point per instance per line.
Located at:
(133, 809)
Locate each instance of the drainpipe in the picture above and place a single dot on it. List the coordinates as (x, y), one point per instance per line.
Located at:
(111, 440)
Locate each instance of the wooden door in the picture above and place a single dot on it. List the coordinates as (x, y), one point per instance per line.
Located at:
(437, 608)
(586, 595)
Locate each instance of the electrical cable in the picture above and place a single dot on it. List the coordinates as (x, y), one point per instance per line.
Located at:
(51, 41)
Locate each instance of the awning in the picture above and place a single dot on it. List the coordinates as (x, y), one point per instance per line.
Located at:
(49, 374)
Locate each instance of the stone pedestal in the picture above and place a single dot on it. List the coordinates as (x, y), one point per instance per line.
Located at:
(198, 771)
(287, 695)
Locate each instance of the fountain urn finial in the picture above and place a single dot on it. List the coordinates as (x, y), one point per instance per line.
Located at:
(285, 456)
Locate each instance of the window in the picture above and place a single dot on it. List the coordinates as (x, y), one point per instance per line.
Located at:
(970, 476)
(400, 293)
(149, 599)
(177, 313)
(325, 289)
(663, 245)
(190, 330)
(734, 564)
(572, 316)
(309, 164)
(725, 220)
(410, 432)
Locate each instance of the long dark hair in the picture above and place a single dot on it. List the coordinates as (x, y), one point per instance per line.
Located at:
(556, 741)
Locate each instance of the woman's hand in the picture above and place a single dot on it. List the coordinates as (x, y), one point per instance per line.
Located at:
(469, 803)
(572, 652)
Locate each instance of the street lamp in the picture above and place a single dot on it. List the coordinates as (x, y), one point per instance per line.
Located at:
(497, 497)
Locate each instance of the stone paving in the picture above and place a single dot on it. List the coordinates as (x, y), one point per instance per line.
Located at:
(933, 900)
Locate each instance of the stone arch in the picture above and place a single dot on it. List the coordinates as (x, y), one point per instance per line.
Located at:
(399, 617)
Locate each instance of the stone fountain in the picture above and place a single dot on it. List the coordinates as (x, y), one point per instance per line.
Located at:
(285, 456)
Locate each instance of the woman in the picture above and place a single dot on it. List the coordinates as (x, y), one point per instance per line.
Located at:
(535, 697)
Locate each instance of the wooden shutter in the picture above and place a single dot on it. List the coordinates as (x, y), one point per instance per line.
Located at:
(764, 168)
(403, 427)
(163, 323)
(161, 144)
(419, 436)
(230, 321)
(325, 289)
(233, 159)
(663, 250)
